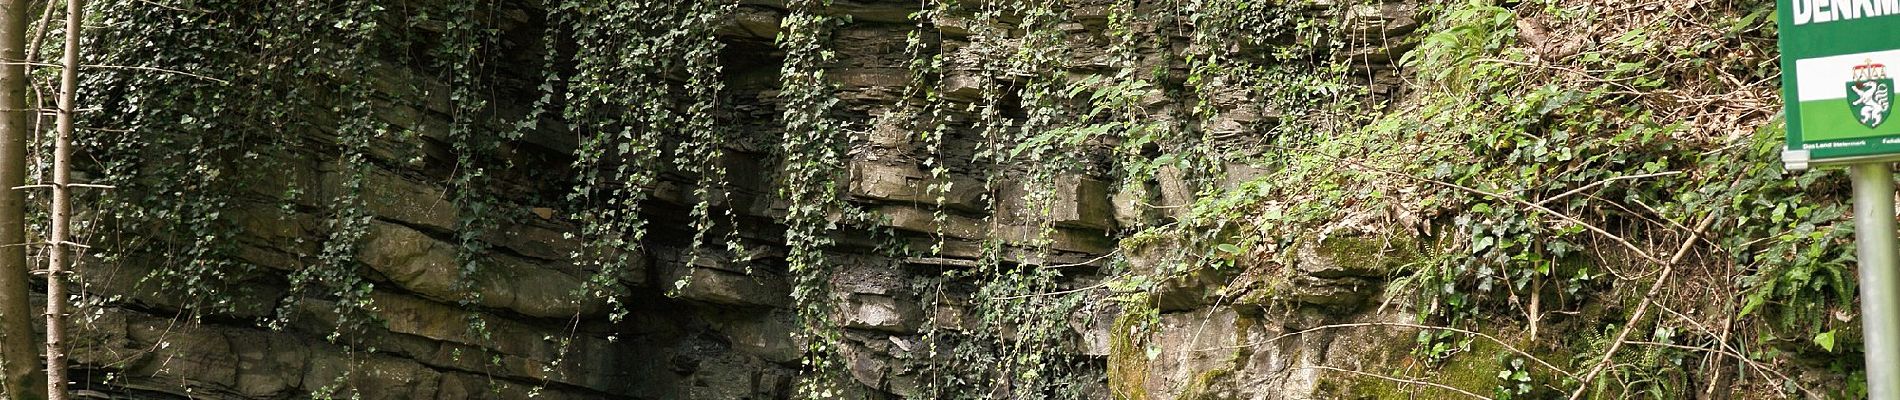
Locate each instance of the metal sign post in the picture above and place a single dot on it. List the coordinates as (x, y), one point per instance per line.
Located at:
(1879, 280)
(1839, 99)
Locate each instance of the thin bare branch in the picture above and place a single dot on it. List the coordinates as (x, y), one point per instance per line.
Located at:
(131, 67)
(1641, 308)
(1493, 339)
(1057, 293)
(69, 185)
(1604, 182)
(1566, 217)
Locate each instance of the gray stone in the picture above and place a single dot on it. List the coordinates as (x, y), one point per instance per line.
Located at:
(542, 240)
(1132, 208)
(1238, 174)
(428, 267)
(1093, 325)
(752, 23)
(1176, 193)
(869, 275)
(1192, 346)
(371, 376)
(391, 196)
(1382, 21)
(907, 184)
(877, 361)
(1036, 241)
(772, 335)
(886, 78)
(1337, 292)
(1351, 256)
(916, 219)
(268, 365)
(1082, 202)
(718, 286)
(732, 332)
(1183, 288)
(200, 355)
(880, 313)
(963, 85)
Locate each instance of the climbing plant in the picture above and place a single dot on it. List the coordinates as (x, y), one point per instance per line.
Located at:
(1522, 165)
(811, 150)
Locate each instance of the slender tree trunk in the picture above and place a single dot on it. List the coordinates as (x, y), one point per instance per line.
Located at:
(62, 209)
(19, 359)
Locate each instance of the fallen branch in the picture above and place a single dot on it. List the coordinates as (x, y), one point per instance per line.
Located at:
(1641, 308)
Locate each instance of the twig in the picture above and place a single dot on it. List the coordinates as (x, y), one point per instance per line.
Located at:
(1507, 346)
(1677, 346)
(39, 33)
(156, 69)
(1605, 182)
(157, 4)
(1090, 262)
(1728, 325)
(1399, 380)
(132, 67)
(1726, 350)
(1058, 293)
(70, 185)
(1593, 228)
(1084, 263)
(1641, 308)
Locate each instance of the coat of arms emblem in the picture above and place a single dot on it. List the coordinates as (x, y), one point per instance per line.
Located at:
(1870, 94)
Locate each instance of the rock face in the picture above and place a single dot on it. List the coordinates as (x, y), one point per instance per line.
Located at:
(1250, 337)
(719, 325)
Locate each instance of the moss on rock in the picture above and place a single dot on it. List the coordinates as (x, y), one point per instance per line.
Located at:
(1127, 359)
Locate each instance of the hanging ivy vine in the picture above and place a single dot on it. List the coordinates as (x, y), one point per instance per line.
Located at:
(640, 85)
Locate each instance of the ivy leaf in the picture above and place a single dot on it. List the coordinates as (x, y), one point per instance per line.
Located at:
(1826, 340)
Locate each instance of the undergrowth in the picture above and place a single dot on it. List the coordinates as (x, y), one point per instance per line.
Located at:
(1561, 157)
(1555, 159)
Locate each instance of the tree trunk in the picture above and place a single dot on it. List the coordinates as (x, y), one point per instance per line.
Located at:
(19, 358)
(56, 254)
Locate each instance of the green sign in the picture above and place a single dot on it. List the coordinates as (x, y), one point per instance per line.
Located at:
(1838, 61)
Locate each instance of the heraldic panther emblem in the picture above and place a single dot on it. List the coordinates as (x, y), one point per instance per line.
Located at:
(1870, 94)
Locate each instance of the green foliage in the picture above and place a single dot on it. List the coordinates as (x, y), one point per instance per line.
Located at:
(1532, 174)
(812, 152)
(460, 55)
(186, 147)
(1550, 174)
(1541, 180)
(184, 150)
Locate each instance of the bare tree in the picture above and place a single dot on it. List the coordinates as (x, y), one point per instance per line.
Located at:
(19, 358)
(57, 253)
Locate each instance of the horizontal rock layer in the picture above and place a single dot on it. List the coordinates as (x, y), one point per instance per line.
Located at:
(714, 324)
